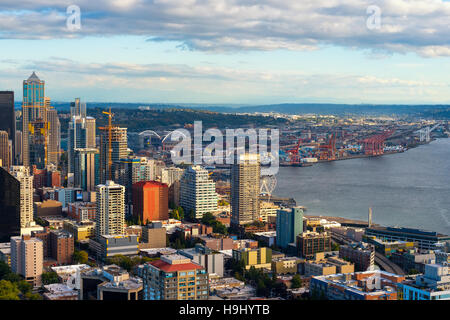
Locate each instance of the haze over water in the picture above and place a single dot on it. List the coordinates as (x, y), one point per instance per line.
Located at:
(406, 189)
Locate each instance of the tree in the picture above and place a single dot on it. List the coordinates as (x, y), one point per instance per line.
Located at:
(296, 282)
(4, 269)
(33, 296)
(80, 256)
(50, 277)
(24, 286)
(8, 290)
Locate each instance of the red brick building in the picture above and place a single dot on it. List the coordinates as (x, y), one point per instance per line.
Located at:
(150, 201)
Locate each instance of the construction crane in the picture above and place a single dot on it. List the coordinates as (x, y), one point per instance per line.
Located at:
(109, 128)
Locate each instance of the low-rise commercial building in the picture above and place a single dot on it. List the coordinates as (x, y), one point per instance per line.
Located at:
(109, 283)
(434, 284)
(388, 247)
(81, 230)
(367, 285)
(110, 245)
(257, 258)
(286, 265)
(361, 254)
(267, 238)
(154, 236)
(82, 211)
(210, 260)
(59, 291)
(413, 259)
(309, 243)
(217, 243)
(426, 240)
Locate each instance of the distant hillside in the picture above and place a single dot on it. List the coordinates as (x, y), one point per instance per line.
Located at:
(138, 120)
(287, 108)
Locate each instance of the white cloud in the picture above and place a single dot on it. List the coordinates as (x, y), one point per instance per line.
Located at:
(183, 83)
(419, 26)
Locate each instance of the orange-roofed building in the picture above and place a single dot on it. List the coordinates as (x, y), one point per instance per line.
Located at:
(174, 277)
(150, 201)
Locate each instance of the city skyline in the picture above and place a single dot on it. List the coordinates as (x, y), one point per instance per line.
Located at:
(243, 53)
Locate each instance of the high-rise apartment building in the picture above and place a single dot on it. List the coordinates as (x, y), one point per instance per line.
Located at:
(198, 191)
(174, 277)
(172, 176)
(118, 150)
(110, 213)
(130, 170)
(22, 174)
(54, 136)
(18, 152)
(81, 135)
(5, 154)
(150, 201)
(84, 168)
(245, 189)
(27, 258)
(289, 225)
(33, 114)
(8, 119)
(9, 206)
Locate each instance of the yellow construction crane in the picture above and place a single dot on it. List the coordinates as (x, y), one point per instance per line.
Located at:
(109, 128)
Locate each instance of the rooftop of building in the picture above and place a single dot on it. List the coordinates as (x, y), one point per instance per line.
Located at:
(266, 234)
(149, 184)
(410, 231)
(59, 290)
(154, 251)
(166, 263)
(70, 269)
(349, 282)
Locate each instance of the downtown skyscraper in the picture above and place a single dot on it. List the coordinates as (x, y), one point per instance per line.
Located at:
(33, 119)
(8, 119)
(245, 189)
(111, 151)
(81, 132)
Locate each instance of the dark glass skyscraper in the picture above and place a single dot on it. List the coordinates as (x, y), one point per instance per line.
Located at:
(8, 118)
(9, 206)
(33, 113)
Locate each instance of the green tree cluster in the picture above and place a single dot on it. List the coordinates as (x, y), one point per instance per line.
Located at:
(13, 287)
(177, 213)
(50, 277)
(80, 256)
(210, 220)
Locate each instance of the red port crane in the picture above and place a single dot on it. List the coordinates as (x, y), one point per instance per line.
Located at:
(374, 145)
(294, 156)
(328, 151)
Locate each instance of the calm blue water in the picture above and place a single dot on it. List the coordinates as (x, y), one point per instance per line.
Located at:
(406, 189)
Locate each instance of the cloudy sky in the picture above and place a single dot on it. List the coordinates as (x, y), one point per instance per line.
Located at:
(229, 51)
